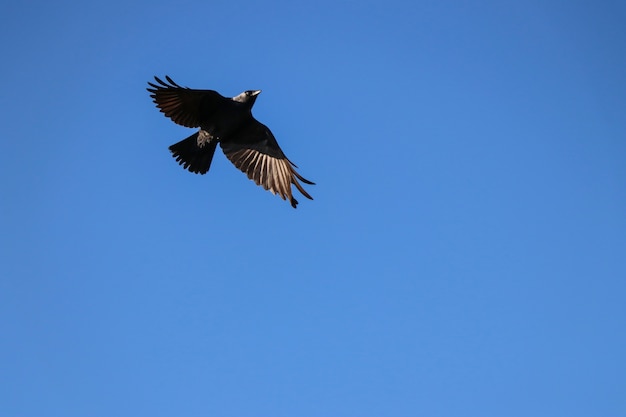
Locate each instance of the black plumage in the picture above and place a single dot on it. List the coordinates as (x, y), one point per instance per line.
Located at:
(246, 142)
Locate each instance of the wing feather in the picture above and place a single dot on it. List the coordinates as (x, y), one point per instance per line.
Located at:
(254, 150)
(186, 107)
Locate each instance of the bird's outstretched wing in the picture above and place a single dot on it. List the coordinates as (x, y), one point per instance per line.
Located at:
(254, 150)
(186, 107)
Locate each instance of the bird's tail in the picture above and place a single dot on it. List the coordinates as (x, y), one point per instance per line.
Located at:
(192, 157)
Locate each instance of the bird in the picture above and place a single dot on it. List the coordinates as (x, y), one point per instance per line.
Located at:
(246, 142)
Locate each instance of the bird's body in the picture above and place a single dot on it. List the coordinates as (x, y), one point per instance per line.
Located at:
(246, 142)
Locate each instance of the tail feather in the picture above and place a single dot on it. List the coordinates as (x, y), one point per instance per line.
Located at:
(192, 157)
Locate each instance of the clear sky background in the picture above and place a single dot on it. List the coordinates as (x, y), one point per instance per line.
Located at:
(465, 254)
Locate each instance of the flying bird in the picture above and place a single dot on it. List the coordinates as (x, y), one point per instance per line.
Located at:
(246, 142)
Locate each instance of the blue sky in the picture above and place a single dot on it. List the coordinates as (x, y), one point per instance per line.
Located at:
(465, 254)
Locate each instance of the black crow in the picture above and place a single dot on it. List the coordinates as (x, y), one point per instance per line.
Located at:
(247, 143)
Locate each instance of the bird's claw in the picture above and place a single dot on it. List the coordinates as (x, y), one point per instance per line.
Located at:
(204, 137)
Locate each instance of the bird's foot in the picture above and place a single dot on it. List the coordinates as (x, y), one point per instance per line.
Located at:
(204, 137)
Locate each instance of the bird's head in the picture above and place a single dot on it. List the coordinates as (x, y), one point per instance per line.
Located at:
(248, 97)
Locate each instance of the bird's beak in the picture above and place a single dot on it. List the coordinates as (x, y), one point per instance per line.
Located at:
(256, 93)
